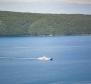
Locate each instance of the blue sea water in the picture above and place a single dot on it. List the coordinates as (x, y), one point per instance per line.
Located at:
(71, 64)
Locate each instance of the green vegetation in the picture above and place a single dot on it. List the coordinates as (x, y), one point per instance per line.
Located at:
(15, 23)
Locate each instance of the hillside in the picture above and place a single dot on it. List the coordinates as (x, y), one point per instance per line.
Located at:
(15, 23)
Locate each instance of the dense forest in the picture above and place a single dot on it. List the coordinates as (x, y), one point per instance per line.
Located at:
(16, 23)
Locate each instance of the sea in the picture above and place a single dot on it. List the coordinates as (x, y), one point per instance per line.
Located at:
(71, 62)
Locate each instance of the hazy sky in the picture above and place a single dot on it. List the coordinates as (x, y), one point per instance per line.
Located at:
(47, 6)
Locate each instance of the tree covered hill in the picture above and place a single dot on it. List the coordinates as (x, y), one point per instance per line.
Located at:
(16, 23)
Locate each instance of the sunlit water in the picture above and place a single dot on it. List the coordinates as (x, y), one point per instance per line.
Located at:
(71, 64)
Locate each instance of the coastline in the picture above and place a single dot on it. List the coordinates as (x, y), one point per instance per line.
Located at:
(49, 35)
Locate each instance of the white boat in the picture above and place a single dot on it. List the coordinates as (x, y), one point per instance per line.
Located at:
(45, 58)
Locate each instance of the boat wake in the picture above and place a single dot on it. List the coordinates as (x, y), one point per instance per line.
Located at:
(42, 58)
(45, 58)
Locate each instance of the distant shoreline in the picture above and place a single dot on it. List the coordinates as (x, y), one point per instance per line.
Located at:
(43, 35)
(33, 24)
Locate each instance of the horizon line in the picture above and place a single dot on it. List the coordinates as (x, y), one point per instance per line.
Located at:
(44, 12)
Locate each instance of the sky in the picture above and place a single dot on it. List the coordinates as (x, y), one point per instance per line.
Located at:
(47, 6)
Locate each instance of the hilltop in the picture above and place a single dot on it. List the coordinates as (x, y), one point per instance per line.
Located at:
(17, 23)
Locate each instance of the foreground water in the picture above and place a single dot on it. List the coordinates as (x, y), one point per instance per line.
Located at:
(71, 64)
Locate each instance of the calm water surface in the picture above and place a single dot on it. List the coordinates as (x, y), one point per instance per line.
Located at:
(71, 64)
